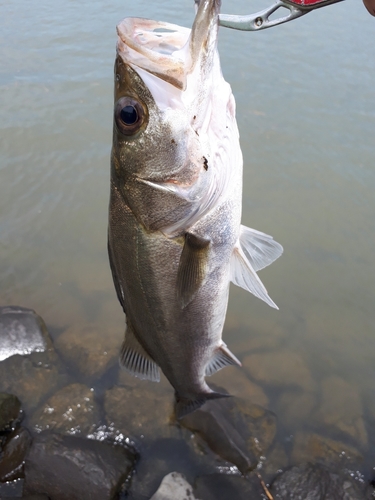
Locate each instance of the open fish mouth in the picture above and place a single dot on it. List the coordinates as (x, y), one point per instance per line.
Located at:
(166, 50)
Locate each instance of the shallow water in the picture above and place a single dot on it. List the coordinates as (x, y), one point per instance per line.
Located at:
(306, 114)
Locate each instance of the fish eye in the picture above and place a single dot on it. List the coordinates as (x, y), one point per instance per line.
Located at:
(130, 115)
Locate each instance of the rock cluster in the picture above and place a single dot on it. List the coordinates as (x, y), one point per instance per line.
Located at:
(73, 426)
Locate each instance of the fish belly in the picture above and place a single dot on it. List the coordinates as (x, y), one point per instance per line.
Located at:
(181, 340)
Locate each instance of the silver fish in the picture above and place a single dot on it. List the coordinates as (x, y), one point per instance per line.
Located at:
(175, 240)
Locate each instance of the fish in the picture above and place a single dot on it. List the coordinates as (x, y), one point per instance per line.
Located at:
(175, 239)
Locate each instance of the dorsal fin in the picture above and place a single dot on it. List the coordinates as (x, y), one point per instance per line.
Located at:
(260, 248)
(222, 357)
(243, 275)
(192, 268)
(136, 360)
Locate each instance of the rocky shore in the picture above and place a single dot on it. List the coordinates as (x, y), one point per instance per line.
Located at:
(74, 426)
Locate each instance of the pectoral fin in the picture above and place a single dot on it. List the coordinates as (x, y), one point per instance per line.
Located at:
(244, 275)
(222, 357)
(136, 360)
(260, 248)
(192, 268)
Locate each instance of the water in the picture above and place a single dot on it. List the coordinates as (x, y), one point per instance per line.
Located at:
(306, 114)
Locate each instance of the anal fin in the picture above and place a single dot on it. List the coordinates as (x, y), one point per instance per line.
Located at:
(136, 360)
(192, 268)
(222, 357)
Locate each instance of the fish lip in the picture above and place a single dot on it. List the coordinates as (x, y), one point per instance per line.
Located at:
(138, 43)
(172, 52)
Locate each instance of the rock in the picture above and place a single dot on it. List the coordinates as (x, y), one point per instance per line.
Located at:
(10, 412)
(279, 369)
(13, 454)
(264, 335)
(235, 429)
(342, 410)
(315, 482)
(236, 383)
(70, 467)
(218, 431)
(31, 371)
(225, 487)
(11, 489)
(144, 410)
(294, 407)
(28, 497)
(30, 378)
(158, 458)
(22, 331)
(174, 487)
(71, 410)
(275, 461)
(90, 349)
(316, 448)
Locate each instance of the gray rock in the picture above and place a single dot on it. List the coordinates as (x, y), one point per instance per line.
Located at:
(158, 459)
(143, 410)
(11, 489)
(22, 331)
(10, 411)
(13, 454)
(342, 410)
(280, 369)
(31, 378)
(316, 448)
(28, 497)
(237, 383)
(315, 482)
(89, 350)
(236, 430)
(225, 487)
(73, 468)
(71, 410)
(29, 367)
(174, 487)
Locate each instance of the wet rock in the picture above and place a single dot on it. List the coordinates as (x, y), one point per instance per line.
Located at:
(315, 482)
(221, 436)
(70, 467)
(316, 448)
(294, 407)
(31, 372)
(276, 461)
(143, 410)
(279, 369)
(342, 409)
(22, 331)
(30, 378)
(13, 454)
(10, 412)
(236, 383)
(90, 349)
(11, 489)
(157, 460)
(264, 335)
(224, 487)
(28, 497)
(235, 429)
(174, 487)
(71, 410)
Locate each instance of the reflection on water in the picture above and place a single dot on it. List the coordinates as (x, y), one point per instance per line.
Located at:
(306, 113)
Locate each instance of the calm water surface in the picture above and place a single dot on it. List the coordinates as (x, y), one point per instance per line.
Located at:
(306, 113)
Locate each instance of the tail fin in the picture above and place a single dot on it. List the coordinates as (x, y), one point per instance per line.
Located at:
(184, 406)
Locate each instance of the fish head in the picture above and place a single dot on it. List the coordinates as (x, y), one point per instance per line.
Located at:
(164, 103)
